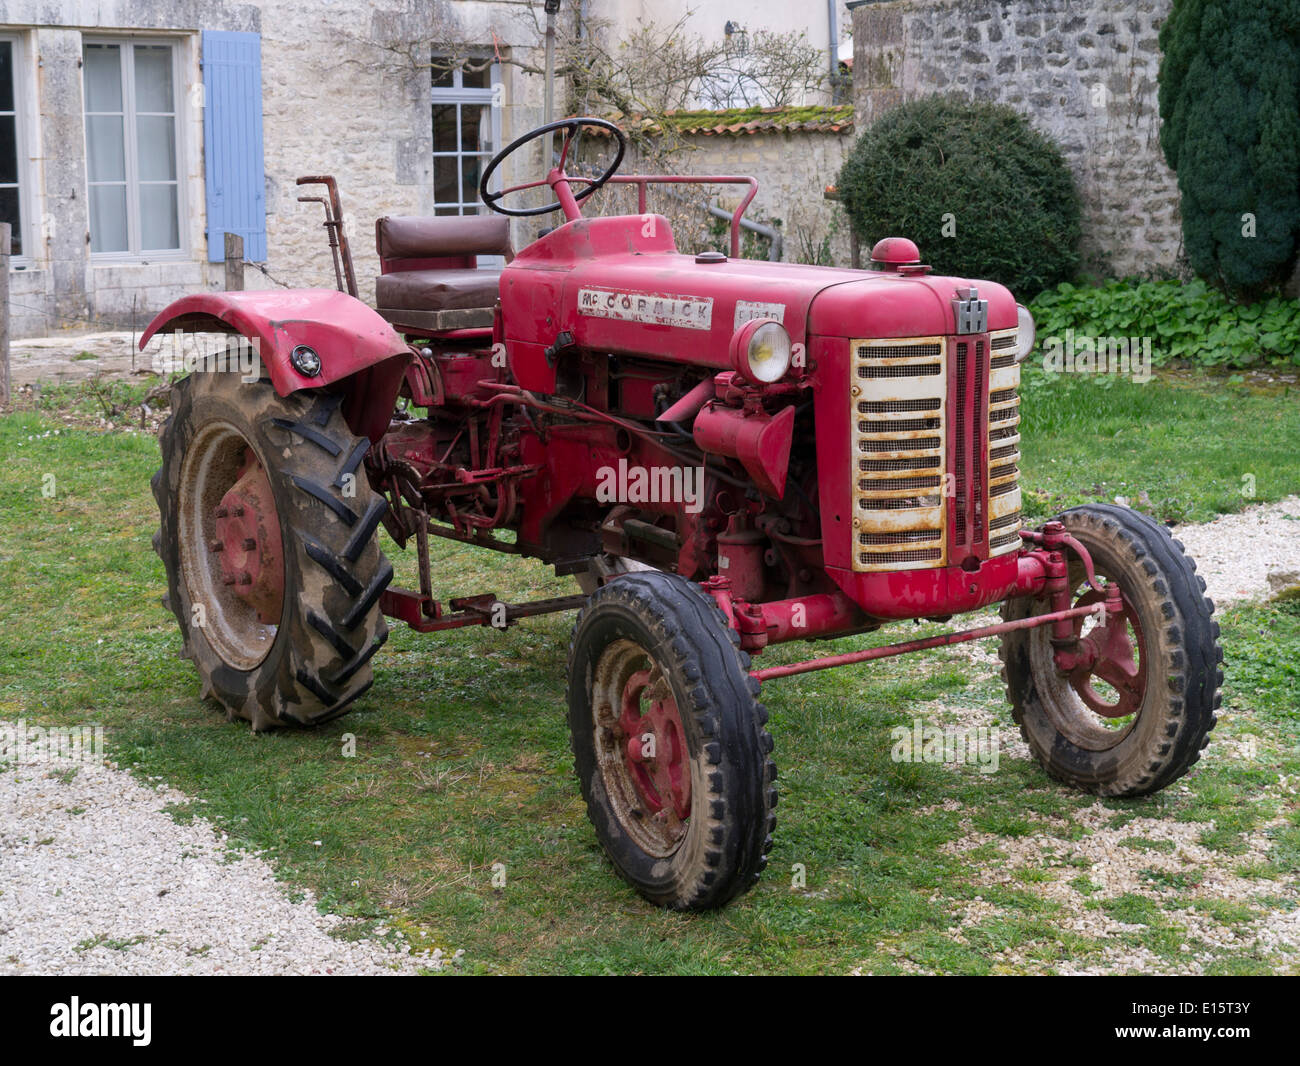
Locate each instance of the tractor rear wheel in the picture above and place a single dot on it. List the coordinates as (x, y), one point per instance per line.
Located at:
(268, 537)
(669, 742)
(1136, 719)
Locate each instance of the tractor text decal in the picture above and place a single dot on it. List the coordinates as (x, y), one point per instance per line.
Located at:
(653, 309)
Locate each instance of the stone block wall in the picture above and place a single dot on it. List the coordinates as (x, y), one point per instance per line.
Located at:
(1083, 71)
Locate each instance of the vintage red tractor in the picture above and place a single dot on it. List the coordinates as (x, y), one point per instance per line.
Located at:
(727, 454)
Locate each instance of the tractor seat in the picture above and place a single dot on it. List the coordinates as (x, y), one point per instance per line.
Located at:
(430, 279)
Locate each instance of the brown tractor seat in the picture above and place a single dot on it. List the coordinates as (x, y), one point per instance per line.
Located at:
(430, 279)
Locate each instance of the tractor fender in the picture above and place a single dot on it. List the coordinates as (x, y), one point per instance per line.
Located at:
(347, 335)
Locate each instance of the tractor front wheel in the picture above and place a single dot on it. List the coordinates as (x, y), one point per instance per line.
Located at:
(669, 742)
(1136, 718)
(268, 537)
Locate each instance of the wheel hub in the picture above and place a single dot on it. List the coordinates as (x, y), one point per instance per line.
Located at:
(655, 746)
(247, 549)
(1107, 654)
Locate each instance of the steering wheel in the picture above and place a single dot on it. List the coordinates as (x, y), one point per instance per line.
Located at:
(571, 126)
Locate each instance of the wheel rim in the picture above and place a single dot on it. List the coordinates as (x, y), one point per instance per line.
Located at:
(231, 552)
(1095, 706)
(641, 748)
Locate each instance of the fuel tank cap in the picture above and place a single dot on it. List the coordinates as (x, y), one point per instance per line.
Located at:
(710, 257)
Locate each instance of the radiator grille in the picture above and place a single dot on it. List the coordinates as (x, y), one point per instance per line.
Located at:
(933, 418)
(900, 385)
(1004, 512)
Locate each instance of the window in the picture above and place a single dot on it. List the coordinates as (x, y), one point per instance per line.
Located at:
(131, 147)
(466, 132)
(11, 144)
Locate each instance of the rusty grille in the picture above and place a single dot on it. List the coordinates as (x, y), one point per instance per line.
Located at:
(901, 350)
(902, 370)
(911, 462)
(1004, 513)
(892, 407)
(900, 384)
(910, 536)
(930, 481)
(902, 425)
(893, 560)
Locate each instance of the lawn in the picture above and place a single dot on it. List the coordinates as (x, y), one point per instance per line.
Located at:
(461, 758)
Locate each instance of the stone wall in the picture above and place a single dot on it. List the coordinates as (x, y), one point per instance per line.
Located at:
(793, 169)
(1083, 71)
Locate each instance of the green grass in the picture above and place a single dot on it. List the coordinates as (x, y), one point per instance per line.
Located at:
(1194, 449)
(462, 752)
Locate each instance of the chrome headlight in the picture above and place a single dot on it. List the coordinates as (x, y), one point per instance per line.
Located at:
(760, 351)
(1028, 335)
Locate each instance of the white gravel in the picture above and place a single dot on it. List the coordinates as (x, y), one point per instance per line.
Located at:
(96, 879)
(1235, 552)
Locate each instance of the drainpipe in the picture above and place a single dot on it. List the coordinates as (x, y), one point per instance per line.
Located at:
(552, 9)
(832, 33)
(773, 235)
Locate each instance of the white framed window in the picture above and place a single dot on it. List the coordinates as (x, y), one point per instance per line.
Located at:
(14, 206)
(133, 151)
(467, 108)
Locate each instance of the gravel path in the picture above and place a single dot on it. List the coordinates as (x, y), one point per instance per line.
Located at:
(95, 878)
(1235, 552)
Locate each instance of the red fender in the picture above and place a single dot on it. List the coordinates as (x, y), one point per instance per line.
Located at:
(349, 337)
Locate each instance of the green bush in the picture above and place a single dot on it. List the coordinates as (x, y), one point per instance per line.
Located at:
(1230, 104)
(981, 192)
(1191, 322)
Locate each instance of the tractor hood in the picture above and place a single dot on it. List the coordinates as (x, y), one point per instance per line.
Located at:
(618, 285)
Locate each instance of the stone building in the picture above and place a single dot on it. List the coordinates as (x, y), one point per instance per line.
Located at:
(1083, 71)
(134, 134)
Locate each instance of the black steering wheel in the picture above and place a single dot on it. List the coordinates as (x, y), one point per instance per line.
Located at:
(571, 126)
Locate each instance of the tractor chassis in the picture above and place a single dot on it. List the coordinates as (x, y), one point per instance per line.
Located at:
(1043, 573)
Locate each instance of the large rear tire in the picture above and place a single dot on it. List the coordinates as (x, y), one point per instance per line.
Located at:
(268, 536)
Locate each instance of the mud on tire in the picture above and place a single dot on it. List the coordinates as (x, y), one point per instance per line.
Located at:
(314, 663)
(681, 634)
(1181, 661)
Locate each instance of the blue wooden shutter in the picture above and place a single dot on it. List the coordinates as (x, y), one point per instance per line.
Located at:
(232, 134)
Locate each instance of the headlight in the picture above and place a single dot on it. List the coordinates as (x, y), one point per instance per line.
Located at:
(1028, 333)
(760, 351)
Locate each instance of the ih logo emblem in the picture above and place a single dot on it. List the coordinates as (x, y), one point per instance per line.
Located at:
(971, 313)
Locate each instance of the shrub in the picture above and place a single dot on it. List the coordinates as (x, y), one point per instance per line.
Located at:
(982, 193)
(1190, 323)
(1230, 103)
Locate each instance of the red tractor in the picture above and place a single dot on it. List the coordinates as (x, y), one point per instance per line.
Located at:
(727, 454)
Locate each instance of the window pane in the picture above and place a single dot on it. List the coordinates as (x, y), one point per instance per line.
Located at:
(9, 213)
(105, 157)
(159, 228)
(6, 75)
(475, 128)
(103, 77)
(442, 75)
(444, 127)
(108, 218)
(156, 147)
(153, 78)
(444, 180)
(475, 79)
(471, 168)
(8, 150)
